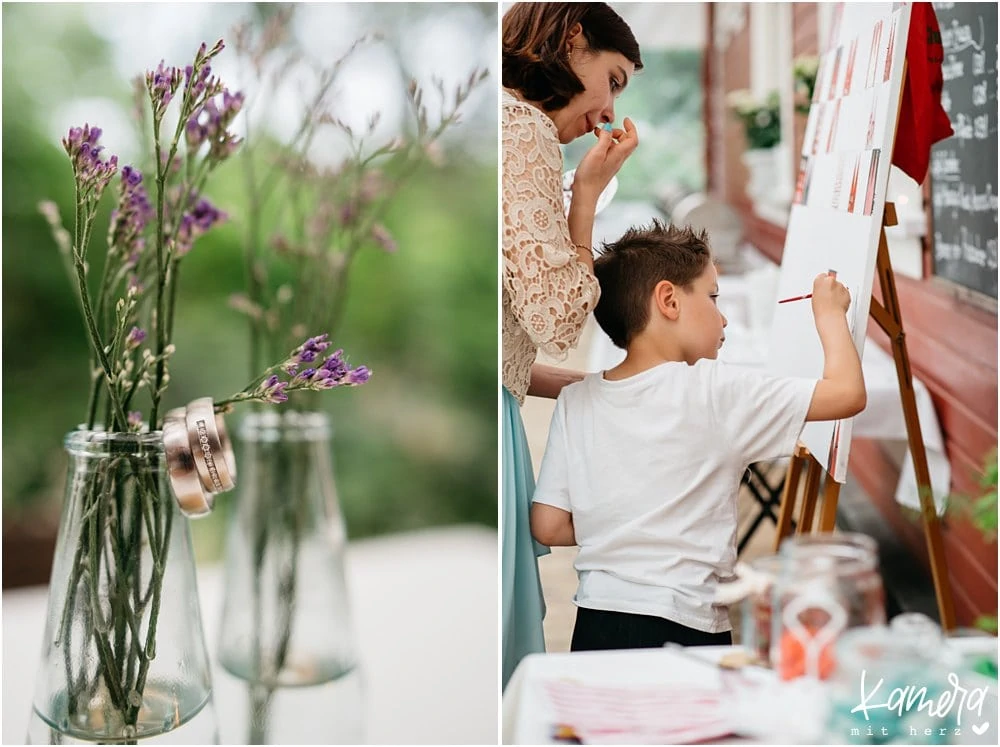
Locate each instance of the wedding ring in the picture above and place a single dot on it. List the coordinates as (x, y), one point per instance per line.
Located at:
(187, 486)
(227, 445)
(210, 458)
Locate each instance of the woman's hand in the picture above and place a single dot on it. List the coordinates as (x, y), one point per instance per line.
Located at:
(603, 161)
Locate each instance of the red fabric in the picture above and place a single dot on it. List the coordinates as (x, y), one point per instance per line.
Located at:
(922, 120)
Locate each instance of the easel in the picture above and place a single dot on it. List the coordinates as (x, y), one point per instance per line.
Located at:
(887, 315)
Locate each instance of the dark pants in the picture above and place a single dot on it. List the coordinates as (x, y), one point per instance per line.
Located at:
(599, 630)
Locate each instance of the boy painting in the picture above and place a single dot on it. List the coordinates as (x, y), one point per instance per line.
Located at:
(643, 462)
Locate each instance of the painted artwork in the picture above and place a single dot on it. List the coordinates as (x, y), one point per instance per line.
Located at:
(836, 215)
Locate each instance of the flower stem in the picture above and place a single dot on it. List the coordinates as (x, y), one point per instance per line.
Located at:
(95, 341)
(154, 614)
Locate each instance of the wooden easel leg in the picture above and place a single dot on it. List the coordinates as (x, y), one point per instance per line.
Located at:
(828, 514)
(809, 495)
(889, 317)
(784, 525)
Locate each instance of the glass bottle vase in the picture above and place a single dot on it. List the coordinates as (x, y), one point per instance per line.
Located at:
(123, 657)
(286, 638)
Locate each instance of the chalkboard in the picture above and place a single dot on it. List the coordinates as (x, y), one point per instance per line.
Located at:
(964, 167)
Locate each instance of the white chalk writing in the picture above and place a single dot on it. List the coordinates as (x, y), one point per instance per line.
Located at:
(978, 63)
(979, 94)
(952, 69)
(969, 249)
(981, 126)
(958, 37)
(964, 197)
(946, 165)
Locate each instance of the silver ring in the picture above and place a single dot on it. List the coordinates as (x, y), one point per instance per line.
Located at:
(226, 444)
(209, 455)
(187, 486)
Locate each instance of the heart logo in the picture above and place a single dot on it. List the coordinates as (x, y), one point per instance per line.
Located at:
(981, 728)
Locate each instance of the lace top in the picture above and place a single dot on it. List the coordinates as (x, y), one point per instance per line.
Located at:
(547, 291)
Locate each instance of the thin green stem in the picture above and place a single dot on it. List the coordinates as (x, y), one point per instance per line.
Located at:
(175, 269)
(159, 328)
(154, 616)
(97, 343)
(100, 626)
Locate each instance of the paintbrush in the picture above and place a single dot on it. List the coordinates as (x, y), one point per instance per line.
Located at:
(807, 295)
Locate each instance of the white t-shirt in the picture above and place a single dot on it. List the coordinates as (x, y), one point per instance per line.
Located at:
(650, 468)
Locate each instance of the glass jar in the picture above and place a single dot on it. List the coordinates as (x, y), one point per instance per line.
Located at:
(889, 687)
(123, 657)
(756, 608)
(286, 640)
(829, 583)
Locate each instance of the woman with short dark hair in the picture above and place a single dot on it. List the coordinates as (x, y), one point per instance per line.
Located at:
(564, 64)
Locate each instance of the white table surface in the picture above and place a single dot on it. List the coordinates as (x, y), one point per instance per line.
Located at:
(425, 615)
(528, 716)
(778, 712)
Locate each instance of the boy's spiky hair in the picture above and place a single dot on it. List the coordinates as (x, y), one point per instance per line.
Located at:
(629, 269)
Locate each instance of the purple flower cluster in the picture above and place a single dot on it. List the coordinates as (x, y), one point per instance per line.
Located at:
(307, 352)
(210, 124)
(332, 372)
(162, 85)
(90, 171)
(273, 390)
(130, 217)
(134, 338)
(198, 78)
(196, 222)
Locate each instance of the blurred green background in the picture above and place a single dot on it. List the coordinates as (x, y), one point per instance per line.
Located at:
(416, 446)
(665, 101)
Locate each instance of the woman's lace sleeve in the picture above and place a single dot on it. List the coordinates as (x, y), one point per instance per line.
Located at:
(551, 291)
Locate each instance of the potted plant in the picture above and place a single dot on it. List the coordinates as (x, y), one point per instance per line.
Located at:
(804, 70)
(761, 120)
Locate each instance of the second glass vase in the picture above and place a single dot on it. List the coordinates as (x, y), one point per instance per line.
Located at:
(286, 638)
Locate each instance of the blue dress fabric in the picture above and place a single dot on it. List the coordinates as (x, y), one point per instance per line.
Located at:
(523, 604)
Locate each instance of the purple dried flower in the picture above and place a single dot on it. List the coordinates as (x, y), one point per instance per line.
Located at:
(383, 238)
(210, 123)
(135, 338)
(358, 375)
(307, 352)
(332, 373)
(195, 133)
(91, 173)
(335, 365)
(273, 390)
(130, 218)
(135, 420)
(206, 215)
(162, 85)
(348, 213)
(195, 223)
(131, 176)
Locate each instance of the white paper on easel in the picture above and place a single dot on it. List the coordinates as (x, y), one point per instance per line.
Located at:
(836, 217)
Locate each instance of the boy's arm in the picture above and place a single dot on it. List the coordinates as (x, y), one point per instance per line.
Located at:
(841, 391)
(551, 509)
(552, 526)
